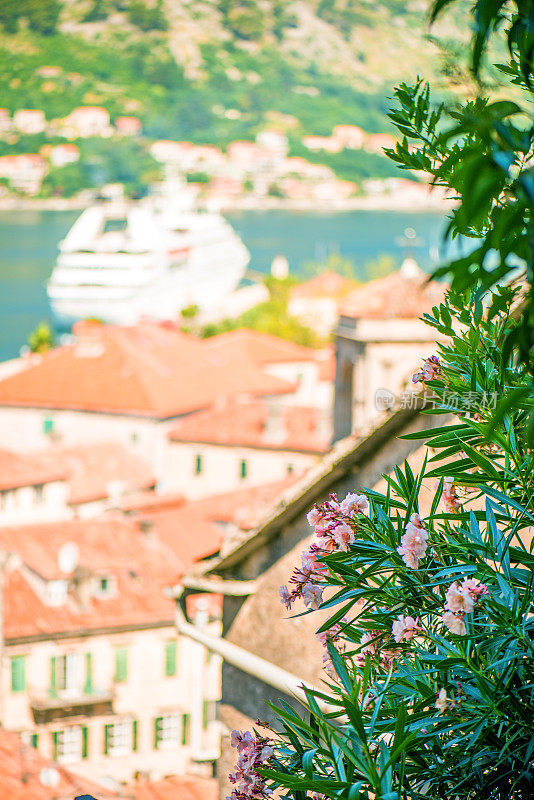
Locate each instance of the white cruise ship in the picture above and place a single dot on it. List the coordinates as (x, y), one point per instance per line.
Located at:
(119, 263)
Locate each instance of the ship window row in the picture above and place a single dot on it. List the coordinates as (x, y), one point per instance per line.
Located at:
(72, 673)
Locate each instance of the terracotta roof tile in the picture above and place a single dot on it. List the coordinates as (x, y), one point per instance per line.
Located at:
(150, 369)
(255, 424)
(401, 294)
(178, 787)
(143, 560)
(327, 284)
(22, 776)
(261, 348)
(93, 468)
(21, 470)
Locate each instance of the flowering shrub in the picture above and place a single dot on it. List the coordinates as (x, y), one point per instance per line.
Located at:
(429, 643)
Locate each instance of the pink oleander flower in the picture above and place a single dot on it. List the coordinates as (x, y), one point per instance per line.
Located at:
(315, 516)
(405, 628)
(414, 543)
(450, 500)
(443, 703)
(458, 599)
(342, 535)
(285, 598)
(475, 588)
(454, 624)
(431, 369)
(354, 504)
(253, 751)
(312, 595)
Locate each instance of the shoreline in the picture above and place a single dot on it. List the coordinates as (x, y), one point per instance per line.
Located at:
(391, 202)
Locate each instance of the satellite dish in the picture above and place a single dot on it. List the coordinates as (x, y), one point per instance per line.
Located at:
(68, 557)
(49, 776)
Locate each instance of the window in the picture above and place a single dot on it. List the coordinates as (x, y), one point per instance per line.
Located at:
(198, 464)
(18, 673)
(208, 713)
(243, 469)
(167, 731)
(105, 586)
(30, 739)
(170, 658)
(56, 592)
(185, 728)
(38, 495)
(121, 664)
(48, 426)
(290, 469)
(70, 744)
(120, 738)
(71, 674)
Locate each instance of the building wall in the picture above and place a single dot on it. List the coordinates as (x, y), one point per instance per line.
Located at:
(145, 695)
(44, 503)
(310, 391)
(221, 467)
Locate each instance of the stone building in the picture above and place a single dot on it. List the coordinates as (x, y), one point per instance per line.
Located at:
(267, 655)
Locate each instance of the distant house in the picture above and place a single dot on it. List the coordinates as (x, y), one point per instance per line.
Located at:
(5, 121)
(316, 302)
(350, 137)
(29, 121)
(31, 491)
(380, 341)
(86, 121)
(273, 140)
(24, 172)
(128, 126)
(25, 774)
(378, 142)
(94, 673)
(245, 443)
(125, 384)
(329, 144)
(63, 154)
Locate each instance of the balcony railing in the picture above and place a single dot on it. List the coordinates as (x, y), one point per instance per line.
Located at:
(47, 708)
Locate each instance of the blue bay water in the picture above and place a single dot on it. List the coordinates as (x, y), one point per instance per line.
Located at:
(29, 241)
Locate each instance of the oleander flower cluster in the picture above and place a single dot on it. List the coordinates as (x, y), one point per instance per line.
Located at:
(253, 751)
(430, 370)
(461, 599)
(414, 543)
(333, 524)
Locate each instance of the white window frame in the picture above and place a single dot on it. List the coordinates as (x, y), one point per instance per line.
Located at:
(120, 738)
(170, 730)
(70, 674)
(69, 744)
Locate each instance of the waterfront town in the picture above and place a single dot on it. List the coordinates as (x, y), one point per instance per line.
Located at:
(139, 466)
(246, 174)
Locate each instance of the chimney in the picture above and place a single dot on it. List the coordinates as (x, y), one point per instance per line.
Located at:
(274, 431)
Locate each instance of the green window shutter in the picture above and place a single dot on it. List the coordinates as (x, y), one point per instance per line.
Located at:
(107, 729)
(198, 464)
(134, 735)
(243, 469)
(121, 664)
(54, 745)
(170, 659)
(205, 714)
(48, 425)
(88, 685)
(157, 731)
(53, 685)
(18, 673)
(34, 740)
(185, 729)
(85, 741)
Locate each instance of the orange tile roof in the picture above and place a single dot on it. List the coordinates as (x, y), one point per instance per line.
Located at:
(22, 776)
(149, 369)
(398, 295)
(247, 424)
(244, 507)
(21, 470)
(142, 562)
(92, 468)
(178, 787)
(327, 284)
(261, 348)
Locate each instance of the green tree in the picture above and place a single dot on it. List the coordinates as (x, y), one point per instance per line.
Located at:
(41, 339)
